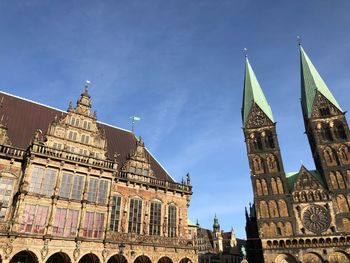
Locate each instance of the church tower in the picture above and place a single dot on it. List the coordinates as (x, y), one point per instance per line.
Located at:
(266, 168)
(217, 236)
(328, 134)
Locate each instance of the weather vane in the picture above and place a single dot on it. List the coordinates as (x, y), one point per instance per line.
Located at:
(299, 40)
(245, 51)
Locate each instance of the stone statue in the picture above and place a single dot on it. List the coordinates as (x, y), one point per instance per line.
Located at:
(243, 252)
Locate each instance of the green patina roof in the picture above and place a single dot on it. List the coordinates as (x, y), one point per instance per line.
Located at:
(293, 176)
(190, 222)
(310, 82)
(216, 221)
(253, 94)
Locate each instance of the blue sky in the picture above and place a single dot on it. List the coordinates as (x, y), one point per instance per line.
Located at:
(179, 66)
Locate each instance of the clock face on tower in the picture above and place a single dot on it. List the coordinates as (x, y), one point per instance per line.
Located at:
(258, 119)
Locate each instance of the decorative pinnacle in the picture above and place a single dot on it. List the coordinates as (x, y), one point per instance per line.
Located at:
(299, 40)
(245, 51)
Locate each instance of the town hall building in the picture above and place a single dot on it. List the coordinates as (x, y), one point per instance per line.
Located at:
(73, 189)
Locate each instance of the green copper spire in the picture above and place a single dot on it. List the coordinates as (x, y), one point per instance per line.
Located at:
(253, 94)
(216, 223)
(311, 81)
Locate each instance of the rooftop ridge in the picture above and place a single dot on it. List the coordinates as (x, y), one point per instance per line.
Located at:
(54, 108)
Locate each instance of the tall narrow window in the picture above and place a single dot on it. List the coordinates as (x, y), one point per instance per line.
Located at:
(115, 214)
(77, 187)
(98, 225)
(66, 184)
(60, 221)
(102, 192)
(6, 189)
(154, 224)
(34, 219)
(88, 224)
(92, 189)
(42, 181)
(70, 228)
(172, 221)
(135, 216)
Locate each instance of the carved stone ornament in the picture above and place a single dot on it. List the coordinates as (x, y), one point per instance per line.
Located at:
(316, 219)
(45, 250)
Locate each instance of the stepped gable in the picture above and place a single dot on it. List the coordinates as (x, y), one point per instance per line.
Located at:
(24, 117)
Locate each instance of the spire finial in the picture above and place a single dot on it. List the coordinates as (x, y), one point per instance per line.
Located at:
(299, 40)
(245, 51)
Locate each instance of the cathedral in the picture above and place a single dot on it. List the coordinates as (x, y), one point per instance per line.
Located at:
(73, 189)
(301, 216)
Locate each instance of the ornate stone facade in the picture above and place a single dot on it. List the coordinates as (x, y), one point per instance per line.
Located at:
(75, 190)
(301, 216)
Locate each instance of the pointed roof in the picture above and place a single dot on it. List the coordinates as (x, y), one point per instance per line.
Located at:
(253, 94)
(311, 82)
(292, 177)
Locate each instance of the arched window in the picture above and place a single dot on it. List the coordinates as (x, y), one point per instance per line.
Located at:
(342, 204)
(172, 221)
(257, 143)
(274, 186)
(279, 186)
(282, 208)
(273, 208)
(135, 210)
(334, 181)
(269, 141)
(340, 131)
(264, 211)
(340, 180)
(258, 187)
(155, 218)
(264, 187)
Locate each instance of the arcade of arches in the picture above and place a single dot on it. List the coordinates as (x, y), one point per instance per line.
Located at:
(27, 256)
(313, 257)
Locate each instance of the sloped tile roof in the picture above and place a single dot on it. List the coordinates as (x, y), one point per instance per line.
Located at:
(24, 117)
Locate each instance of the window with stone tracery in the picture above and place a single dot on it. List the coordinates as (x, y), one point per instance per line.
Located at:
(71, 186)
(115, 213)
(6, 189)
(93, 225)
(34, 219)
(155, 218)
(172, 221)
(135, 216)
(65, 222)
(42, 180)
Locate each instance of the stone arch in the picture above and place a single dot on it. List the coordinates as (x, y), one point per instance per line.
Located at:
(185, 260)
(334, 181)
(89, 258)
(269, 140)
(24, 256)
(117, 258)
(339, 257)
(342, 204)
(283, 258)
(312, 257)
(274, 186)
(256, 141)
(258, 165)
(339, 130)
(343, 154)
(329, 156)
(279, 185)
(165, 259)
(264, 187)
(258, 187)
(59, 257)
(142, 259)
(273, 208)
(264, 210)
(264, 229)
(282, 207)
(271, 161)
(340, 179)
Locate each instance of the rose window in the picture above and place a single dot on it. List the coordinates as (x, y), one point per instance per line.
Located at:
(316, 219)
